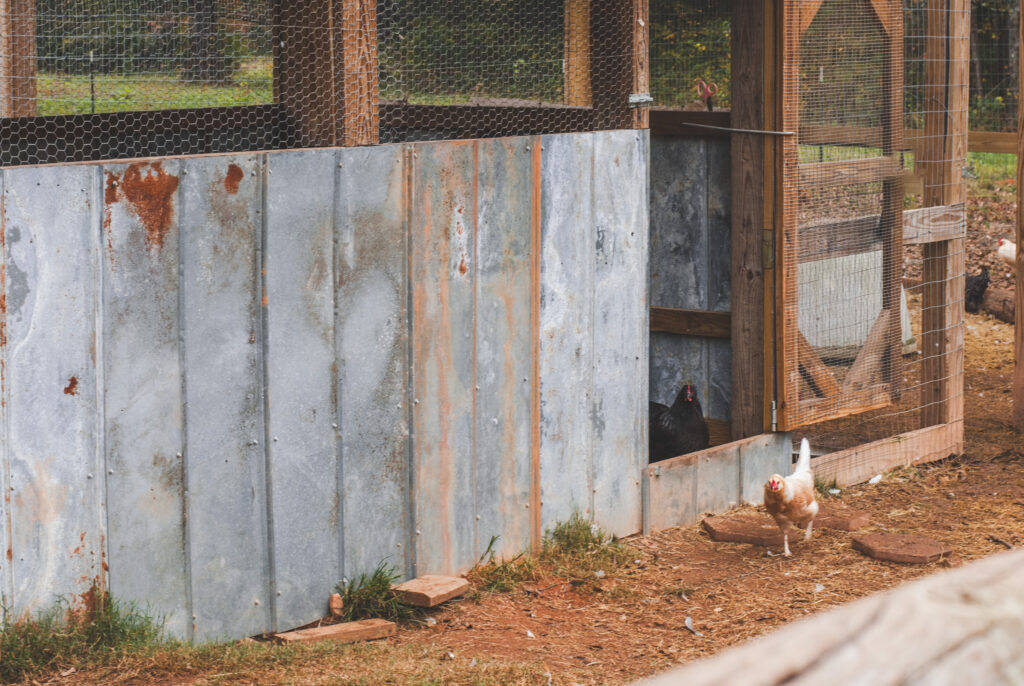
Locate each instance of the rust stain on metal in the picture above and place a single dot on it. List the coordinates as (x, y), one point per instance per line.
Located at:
(72, 389)
(535, 247)
(150, 195)
(462, 261)
(232, 179)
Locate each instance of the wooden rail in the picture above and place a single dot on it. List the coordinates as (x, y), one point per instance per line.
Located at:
(691, 322)
(960, 626)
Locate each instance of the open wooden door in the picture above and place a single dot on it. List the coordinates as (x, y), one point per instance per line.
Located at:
(839, 250)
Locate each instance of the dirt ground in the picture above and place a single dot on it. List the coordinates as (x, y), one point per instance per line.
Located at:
(632, 623)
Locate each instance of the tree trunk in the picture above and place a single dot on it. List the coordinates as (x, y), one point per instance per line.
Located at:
(207, 62)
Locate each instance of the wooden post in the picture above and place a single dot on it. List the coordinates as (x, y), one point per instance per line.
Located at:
(1018, 325)
(945, 148)
(326, 76)
(17, 58)
(577, 53)
(749, 225)
(619, 64)
(891, 18)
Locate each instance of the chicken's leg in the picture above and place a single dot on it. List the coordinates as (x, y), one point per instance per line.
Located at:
(807, 534)
(785, 543)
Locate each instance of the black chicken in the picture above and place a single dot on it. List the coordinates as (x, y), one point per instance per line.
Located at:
(679, 429)
(974, 289)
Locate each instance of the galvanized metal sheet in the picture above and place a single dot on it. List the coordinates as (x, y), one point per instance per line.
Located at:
(504, 344)
(719, 184)
(760, 457)
(672, 493)
(6, 579)
(676, 360)
(299, 345)
(372, 353)
(146, 511)
(679, 222)
(442, 270)
(52, 438)
(718, 479)
(618, 397)
(225, 470)
(566, 326)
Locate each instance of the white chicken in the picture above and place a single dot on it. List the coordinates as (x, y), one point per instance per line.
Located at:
(1007, 252)
(790, 500)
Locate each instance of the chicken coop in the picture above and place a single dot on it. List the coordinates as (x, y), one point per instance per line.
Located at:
(291, 289)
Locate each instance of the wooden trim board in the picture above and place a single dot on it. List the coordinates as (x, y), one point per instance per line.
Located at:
(691, 322)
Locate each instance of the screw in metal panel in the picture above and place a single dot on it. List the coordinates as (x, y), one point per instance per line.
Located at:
(417, 532)
(340, 165)
(279, 593)
(110, 471)
(255, 602)
(178, 455)
(334, 425)
(415, 401)
(89, 475)
(478, 518)
(275, 439)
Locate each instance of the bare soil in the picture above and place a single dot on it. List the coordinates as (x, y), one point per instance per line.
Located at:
(632, 623)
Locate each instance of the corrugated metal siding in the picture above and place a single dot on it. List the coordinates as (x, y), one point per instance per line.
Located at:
(690, 238)
(238, 379)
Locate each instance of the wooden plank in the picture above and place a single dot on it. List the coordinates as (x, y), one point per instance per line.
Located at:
(225, 472)
(640, 62)
(304, 68)
(356, 71)
(618, 63)
(934, 224)
(17, 58)
(143, 400)
(719, 431)
(676, 122)
(430, 590)
(814, 370)
(837, 238)
(691, 322)
(1018, 328)
(299, 362)
(890, 14)
(859, 464)
(748, 204)
(867, 369)
(961, 626)
(576, 69)
(992, 141)
(346, 632)
(845, 172)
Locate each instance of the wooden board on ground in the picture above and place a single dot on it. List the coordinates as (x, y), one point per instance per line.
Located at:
(902, 548)
(752, 528)
(999, 302)
(430, 590)
(346, 632)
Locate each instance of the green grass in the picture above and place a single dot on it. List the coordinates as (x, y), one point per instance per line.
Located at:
(252, 84)
(823, 487)
(990, 167)
(63, 636)
(369, 596)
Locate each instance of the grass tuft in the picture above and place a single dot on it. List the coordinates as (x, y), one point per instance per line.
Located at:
(64, 636)
(369, 596)
(822, 487)
(577, 548)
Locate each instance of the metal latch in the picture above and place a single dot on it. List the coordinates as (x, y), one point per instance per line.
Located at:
(640, 100)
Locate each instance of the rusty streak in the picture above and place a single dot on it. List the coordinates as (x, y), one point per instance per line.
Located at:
(234, 176)
(150, 196)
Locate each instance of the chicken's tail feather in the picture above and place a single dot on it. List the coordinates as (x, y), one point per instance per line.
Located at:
(804, 463)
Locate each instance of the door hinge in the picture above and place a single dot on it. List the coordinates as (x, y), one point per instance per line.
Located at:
(774, 418)
(640, 100)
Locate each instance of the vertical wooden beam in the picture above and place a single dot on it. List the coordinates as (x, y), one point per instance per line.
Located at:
(577, 53)
(747, 268)
(326, 76)
(357, 74)
(787, 240)
(619, 63)
(891, 18)
(946, 93)
(17, 58)
(1018, 326)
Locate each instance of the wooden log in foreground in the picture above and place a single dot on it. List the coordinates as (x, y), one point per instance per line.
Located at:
(999, 302)
(963, 626)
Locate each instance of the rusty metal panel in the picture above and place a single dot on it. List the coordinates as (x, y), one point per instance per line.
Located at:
(372, 353)
(225, 468)
(504, 344)
(300, 381)
(146, 511)
(566, 326)
(619, 393)
(52, 437)
(760, 457)
(442, 268)
(6, 578)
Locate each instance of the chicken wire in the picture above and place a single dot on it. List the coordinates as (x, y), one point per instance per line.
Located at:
(102, 79)
(994, 65)
(867, 358)
(690, 42)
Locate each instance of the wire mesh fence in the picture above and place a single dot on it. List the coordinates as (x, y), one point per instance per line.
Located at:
(691, 54)
(125, 78)
(877, 327)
